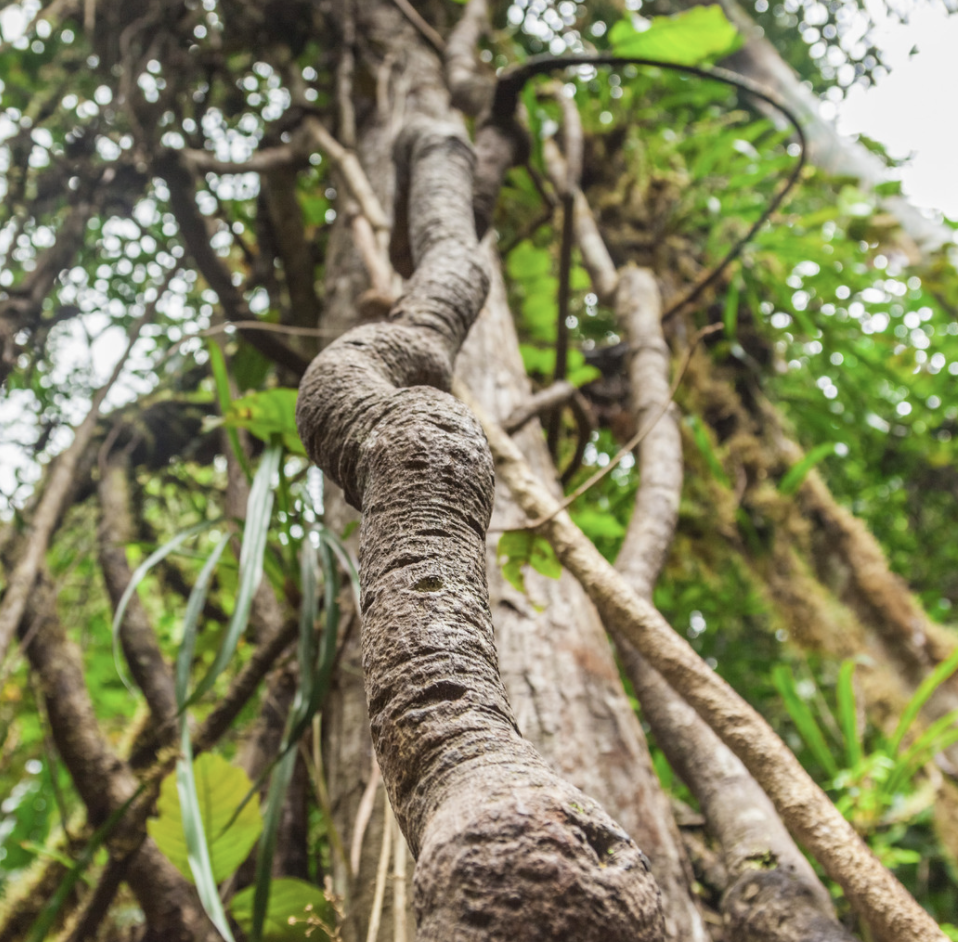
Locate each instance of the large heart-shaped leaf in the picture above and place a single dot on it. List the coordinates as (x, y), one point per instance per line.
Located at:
(297, 910)
(220, 789)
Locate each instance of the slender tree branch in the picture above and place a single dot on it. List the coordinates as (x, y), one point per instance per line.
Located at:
(103, 781)
(196, 236)
(773, 894)
(147, 664)
(264, 160)
(471, 90)
(558, 394)
(585, 426)
(632, 442)
(425, 30)
(54, 500)
(872, 890)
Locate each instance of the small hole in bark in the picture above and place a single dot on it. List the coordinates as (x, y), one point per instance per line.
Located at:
(429, 584)
(444, 691)
(603, 842)
(433, 531)
(478, 918)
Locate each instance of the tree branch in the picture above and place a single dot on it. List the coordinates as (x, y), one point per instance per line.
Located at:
(196, 236)
(54, 500)
(471, 90)
(874, 892)
(147, 664)
(773, 894)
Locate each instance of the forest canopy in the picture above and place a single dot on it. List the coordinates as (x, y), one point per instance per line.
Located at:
(684, 305)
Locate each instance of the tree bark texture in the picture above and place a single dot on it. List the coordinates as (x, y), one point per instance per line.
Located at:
(495, 833)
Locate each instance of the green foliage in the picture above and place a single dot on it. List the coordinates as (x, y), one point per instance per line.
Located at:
(520, 548)
(221, 789)
(792, 479)
(687, 38)
(296, 910)
(269, 415)
(879, 789)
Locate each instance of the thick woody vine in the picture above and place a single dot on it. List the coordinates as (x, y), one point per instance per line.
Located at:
(477, 805)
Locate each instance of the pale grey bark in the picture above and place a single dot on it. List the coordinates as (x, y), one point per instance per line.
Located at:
(556, 664)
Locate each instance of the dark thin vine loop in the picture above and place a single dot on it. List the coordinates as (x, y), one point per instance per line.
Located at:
(512, 80)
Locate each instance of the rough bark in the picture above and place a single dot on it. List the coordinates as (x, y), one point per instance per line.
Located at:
(147, 664)
(479, 808)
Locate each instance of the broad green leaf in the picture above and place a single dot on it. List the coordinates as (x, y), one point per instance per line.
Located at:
(540, 360)
(297, 910)
(220, 788)
(267, 414)
(688, 38)
(596, 524)
(578, 371)
(526, 262)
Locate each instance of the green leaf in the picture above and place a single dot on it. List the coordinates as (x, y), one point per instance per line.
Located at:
(297, 910)
(267, 414)
(198, 854)
(579, 372)
(262, 896)
(848, 713)
(539, 360)
(925, 689)
(704, 442)
(793, 478)
(258, 511)
(802, 717)
(194, 607)
(223, 396)
(138, 575)
(688, 38)
(596, 524)
(519, 548)
(220, 788)
(526, 262)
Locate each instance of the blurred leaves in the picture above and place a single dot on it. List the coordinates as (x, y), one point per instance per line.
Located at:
(688, 38)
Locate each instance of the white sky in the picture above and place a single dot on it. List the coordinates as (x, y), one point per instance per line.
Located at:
(914, 110)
